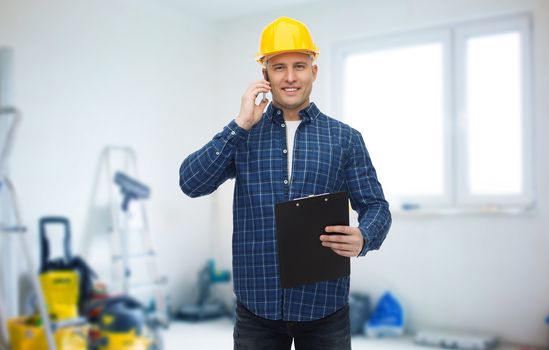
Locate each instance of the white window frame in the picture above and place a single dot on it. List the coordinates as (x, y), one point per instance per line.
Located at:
(519, 24)
(453, 37)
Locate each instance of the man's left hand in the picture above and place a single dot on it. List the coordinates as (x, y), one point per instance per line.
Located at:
(344, 240)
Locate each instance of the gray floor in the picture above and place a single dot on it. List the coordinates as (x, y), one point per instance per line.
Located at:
(218, 335)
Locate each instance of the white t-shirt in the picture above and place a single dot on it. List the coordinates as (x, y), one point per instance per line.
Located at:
(291, 127)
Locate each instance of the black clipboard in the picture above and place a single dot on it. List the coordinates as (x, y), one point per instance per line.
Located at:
(299, 224)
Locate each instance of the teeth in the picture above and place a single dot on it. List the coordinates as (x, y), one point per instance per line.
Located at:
(290, 89)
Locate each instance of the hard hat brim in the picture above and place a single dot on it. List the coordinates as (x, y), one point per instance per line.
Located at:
(262, 57)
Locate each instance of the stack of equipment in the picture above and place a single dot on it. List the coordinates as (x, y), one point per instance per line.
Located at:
(27, 333)
(66, 281)
(11, 225)
(123, 325)
(206, 308)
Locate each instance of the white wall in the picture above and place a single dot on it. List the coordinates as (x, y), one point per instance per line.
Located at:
(92, 73)
(465, 272)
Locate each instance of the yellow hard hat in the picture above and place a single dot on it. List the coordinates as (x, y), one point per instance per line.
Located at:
(285, 34)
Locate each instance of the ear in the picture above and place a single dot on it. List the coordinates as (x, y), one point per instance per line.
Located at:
(265, 74)
(315, 71)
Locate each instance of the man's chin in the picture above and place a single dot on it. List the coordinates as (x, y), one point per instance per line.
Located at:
(291, 105)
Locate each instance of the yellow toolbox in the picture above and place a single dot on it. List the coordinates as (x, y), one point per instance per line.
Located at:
(25, 334)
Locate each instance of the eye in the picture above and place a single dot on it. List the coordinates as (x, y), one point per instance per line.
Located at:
(301, 66)
(278, 68)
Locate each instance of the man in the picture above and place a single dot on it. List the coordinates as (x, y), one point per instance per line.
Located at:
(289, 151)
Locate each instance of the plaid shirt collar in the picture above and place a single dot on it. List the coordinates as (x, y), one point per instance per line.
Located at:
(308, 114)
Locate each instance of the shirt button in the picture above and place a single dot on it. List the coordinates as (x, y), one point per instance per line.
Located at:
(216, 153)
(278, 112)
(282, 125)
(233, 133)
(285, 182)
(285, 151)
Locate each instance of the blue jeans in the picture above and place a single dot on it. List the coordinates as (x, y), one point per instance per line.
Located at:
(332, 332)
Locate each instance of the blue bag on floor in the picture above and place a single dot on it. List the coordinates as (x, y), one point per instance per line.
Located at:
(387, 319)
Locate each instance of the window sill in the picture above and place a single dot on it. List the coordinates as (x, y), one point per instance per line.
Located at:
(485, 210)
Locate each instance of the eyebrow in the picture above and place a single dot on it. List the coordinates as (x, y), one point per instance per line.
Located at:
(285, 64)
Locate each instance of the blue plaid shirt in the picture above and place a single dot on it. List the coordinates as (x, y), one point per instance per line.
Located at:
(329, 156)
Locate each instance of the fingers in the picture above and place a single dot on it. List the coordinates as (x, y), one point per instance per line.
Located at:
(263, 103)
(353, 245)
(345, 234)
(250, 112)
(341, 229)
(256, 88)
(347, 242)
(345, 253)
(343, 250)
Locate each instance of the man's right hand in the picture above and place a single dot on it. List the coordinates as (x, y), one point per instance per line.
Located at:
(250, 113)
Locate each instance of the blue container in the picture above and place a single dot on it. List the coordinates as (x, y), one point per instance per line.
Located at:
(387, 319)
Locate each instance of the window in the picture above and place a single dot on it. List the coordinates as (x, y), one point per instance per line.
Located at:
(445, 113)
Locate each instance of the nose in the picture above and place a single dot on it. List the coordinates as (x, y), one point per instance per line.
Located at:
(290, 75)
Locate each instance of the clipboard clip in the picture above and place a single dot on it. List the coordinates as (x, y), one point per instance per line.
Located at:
(311, 195)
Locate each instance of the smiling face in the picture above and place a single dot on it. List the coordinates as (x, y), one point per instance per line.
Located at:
(291, 76)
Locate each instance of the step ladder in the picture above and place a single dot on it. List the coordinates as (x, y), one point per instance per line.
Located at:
(11, 226)
(134, 256)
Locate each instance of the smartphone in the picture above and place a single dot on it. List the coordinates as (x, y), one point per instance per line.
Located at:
(266, 76)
